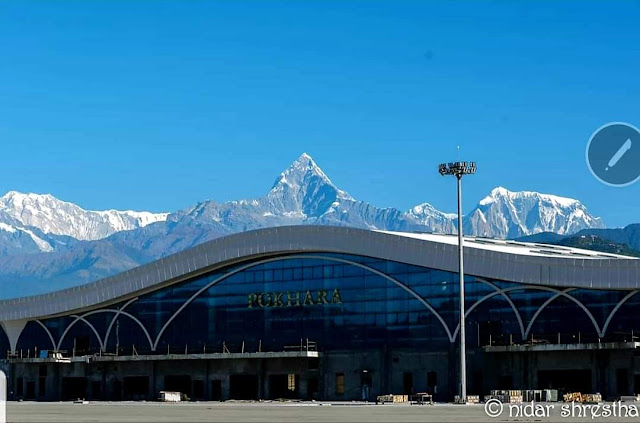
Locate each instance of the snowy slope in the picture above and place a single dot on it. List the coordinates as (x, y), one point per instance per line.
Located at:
(56, 217)
(508, 214)
(48, 243)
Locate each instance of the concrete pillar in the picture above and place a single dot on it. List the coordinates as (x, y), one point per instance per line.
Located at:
(526, 371)
(207, 382)
(385, 364)
(453, 372)
(533, 371)
(226, 387)
(600, 369)
(259, 373)
(303, 385)
(103, 383)
(153, 390)
(58, 379)
(13, 329)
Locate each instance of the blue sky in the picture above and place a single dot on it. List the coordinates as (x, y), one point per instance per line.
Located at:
(158, 105)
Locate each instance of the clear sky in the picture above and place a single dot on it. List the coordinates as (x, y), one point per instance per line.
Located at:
(158, 105)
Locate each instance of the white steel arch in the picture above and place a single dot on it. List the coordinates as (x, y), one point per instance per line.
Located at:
(615, 310)
(507, 298)
(480, 301)
(117, 314)
(77, 319)
(564, 293)
(452, 336)
(46, 329)
(542, 307)
(121, 311)
(328, 258)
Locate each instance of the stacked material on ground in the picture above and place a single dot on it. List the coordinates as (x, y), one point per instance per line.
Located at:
(392, 398)
(170, 396)
(584, 398)
(515, 396)
(506, 396)
(473, 399)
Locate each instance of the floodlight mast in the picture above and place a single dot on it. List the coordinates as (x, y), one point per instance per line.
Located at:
(459, 169)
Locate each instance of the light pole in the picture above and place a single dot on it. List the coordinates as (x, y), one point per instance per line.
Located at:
(459, 169)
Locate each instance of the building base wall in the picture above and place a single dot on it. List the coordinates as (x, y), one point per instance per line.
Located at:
(341, 375)
(335, 375)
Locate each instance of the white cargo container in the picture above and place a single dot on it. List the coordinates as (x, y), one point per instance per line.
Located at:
(170, 396)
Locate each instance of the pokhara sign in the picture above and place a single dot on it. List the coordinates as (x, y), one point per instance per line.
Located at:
(294, 299)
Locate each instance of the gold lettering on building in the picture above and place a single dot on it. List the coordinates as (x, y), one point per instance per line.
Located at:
(293, 299)
(322, 297)
(336, 298)
(252, 299)
(264, 299)
(290, 297)
(308, 299)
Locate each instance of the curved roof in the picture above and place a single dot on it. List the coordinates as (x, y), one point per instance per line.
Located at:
(503, 260)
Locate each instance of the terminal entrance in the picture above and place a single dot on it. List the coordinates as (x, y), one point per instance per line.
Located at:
(178, 383)
(74, 388)
(216, 390)
(283, 386)
(565, 380)
(243, 387)
(136, 387)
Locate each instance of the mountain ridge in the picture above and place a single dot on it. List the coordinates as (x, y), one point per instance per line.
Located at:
(57, 217)
(301, 194)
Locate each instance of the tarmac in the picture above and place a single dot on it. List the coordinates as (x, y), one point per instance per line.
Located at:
(263, 412)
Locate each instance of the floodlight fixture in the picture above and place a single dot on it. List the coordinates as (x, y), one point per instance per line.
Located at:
(457, 169)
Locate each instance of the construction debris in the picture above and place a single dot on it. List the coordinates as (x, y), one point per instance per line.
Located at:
(421, 398)
(170, 396)
(583, 398)
(392, 398)
(516, 396)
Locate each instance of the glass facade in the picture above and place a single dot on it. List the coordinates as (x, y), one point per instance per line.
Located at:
(339, 302)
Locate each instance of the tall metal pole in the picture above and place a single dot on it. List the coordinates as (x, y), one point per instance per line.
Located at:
(459, 169)
(463, 355)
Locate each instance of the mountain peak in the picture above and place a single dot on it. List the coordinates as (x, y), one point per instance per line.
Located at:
(503, 193)
(17, 196)
(305, 156)
(301, 172)
(54, 216)
(303, 187)
(512, 214)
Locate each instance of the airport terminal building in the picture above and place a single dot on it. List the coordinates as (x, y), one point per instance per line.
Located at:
(332, 313)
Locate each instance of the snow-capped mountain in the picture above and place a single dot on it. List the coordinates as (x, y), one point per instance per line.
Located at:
(20, 238)
(507, 214)
(303, 194)
(304, 188)
(56, 217)
(300, 193)
(429, 217)
(46, 242)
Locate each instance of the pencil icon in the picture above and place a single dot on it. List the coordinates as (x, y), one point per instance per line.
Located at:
(616, 157)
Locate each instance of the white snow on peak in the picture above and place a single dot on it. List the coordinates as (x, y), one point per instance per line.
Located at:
(299, 174)
(54, 216)
(302, 194)
(427, 209)
(508, 214)
(7, 228)
(42, 245)
(500, 192)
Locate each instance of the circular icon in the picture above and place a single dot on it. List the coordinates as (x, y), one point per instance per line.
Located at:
(493, 408)
(613, 154)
